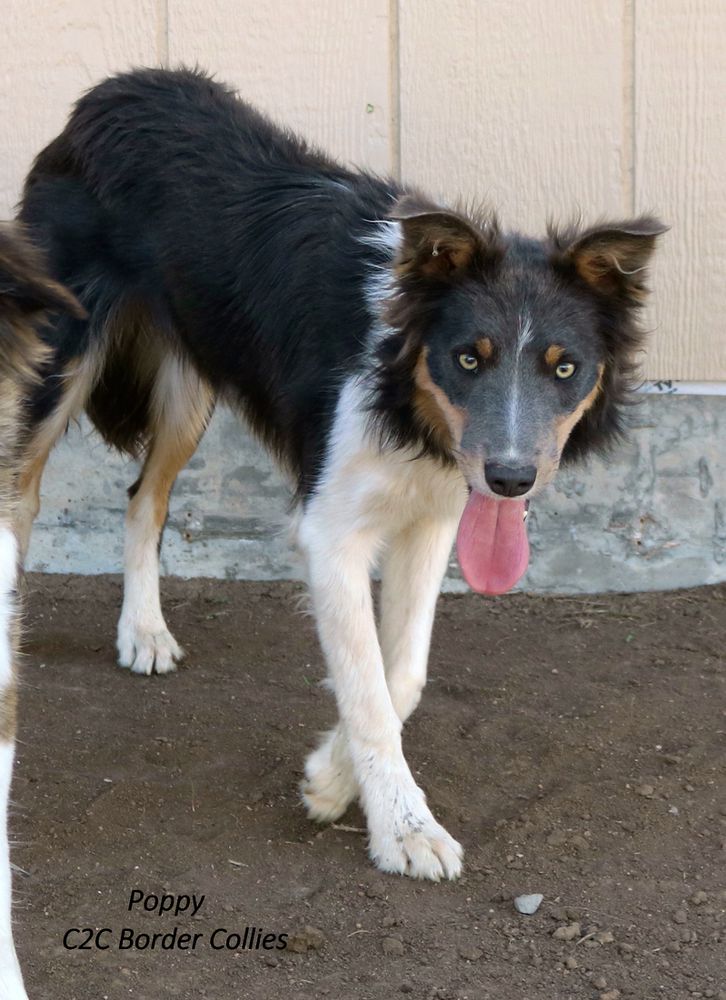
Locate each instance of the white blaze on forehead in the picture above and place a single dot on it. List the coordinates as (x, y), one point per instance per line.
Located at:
(525, 333)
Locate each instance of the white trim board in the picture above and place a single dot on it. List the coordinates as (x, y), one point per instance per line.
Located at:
(671, 387)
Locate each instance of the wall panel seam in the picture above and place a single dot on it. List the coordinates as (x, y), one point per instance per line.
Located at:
(394, 71)
(162, 34)
(629, 83)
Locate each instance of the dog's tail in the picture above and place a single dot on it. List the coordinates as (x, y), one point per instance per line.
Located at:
(107, 362)
(27, 293)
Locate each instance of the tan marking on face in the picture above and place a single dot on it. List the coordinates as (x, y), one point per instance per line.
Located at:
(566, 424)
(553, 354)
(8, 711)
(485, 347)
(434, 408)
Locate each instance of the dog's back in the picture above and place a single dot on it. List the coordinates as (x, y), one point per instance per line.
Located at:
(173, 208)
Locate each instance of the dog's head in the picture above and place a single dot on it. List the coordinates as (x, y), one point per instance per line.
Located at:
(27, 292)
(517, 353)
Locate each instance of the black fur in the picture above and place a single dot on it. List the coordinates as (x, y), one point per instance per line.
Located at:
(229, 231)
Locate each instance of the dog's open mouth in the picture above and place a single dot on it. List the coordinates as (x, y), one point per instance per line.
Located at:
(492, 543)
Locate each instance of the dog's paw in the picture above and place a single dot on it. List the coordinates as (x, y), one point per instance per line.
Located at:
(405, 839)
(329, 786)
(147, 650)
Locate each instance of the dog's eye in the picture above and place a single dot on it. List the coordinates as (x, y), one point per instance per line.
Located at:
(468, 361)
(565, 370)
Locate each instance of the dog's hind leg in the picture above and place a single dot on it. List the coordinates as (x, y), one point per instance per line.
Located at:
(181, 405)
(411, 579)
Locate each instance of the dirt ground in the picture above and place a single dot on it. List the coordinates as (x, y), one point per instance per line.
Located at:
(575, 746)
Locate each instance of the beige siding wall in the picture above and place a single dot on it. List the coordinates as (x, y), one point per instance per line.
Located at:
(544, 108)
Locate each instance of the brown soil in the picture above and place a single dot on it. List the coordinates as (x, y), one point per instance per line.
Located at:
(575, 746)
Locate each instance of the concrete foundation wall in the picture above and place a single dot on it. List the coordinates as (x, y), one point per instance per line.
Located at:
(652, 516)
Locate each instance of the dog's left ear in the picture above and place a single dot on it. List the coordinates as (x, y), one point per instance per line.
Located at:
(438, 243)
(612, 258)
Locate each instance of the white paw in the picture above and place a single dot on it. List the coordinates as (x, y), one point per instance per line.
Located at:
(406, 839)
(329, 786)
(149, 649)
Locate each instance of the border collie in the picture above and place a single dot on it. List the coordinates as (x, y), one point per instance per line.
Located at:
(26, 292)
(419, 372)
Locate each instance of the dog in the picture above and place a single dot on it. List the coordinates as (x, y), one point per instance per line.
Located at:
(27, 293)
(419, 372)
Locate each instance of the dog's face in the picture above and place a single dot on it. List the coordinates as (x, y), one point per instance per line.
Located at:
(514, 344)
(512, 364)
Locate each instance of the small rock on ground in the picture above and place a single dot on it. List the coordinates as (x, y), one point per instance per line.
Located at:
(471, 954)
(647, 791)
(308, 938)
(567, 933)
(529, 903)
(393, 946)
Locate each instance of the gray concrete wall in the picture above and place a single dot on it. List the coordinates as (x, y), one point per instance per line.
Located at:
(653, 516)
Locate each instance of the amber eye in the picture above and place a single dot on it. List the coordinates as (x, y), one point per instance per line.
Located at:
(468, 361)
(565, 370)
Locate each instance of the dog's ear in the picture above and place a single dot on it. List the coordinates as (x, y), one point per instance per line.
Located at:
(438, 243)
(613, 257)
(25, 286)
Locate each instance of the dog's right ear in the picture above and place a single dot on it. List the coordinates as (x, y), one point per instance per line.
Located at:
(437, 243)
(25, 286)
(612, 258)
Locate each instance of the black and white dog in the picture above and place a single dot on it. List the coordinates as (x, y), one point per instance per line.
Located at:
(417, 370)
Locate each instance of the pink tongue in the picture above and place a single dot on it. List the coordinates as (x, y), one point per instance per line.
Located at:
(492, 543)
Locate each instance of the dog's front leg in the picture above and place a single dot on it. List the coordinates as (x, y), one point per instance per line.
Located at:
(411, 580)
(404, 836)
(415, 563)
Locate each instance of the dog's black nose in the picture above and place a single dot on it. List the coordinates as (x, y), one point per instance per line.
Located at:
(508, 482)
